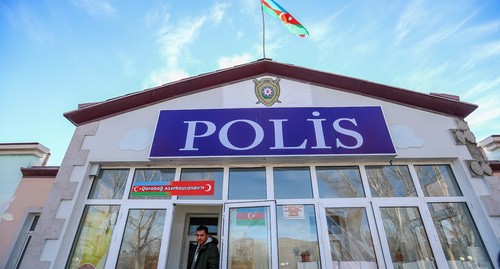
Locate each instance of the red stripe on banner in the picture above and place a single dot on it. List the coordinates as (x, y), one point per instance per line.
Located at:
(202, 187)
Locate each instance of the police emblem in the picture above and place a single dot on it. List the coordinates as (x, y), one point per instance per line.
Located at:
(267, 91)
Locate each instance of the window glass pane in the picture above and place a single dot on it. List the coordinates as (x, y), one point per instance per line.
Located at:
(34, 223)
(199, 174)
(297, 237)
(23, 239)
(109, 184)
(292, 183)
(94, 236)
(351, 242)
(339, 182)
(390, 181)
(249, 238)
(407, 238)
(460, 239)
(437, 180)
(247, 183)
(148, 183)
(141, 242)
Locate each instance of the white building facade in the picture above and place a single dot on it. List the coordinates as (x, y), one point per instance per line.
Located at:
(288, 167)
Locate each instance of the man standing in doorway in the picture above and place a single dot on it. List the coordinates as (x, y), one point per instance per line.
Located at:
(205, 254)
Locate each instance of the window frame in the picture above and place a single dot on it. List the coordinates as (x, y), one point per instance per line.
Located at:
(371, 204)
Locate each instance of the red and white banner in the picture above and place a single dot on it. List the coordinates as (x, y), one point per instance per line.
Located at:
(199, 187)
(204, 187)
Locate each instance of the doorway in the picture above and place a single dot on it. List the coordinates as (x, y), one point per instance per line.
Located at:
(186, 219)
(193, 221)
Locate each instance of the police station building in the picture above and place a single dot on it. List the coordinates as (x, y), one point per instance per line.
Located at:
(288, 168)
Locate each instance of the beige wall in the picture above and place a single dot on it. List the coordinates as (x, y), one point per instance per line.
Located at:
(30, 196)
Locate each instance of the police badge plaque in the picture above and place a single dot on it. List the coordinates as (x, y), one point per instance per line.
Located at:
(267, 91)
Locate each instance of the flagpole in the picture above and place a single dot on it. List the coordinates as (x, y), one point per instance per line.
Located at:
(263, 32)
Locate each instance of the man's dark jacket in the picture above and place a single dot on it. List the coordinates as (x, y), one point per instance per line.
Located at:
(208, 258)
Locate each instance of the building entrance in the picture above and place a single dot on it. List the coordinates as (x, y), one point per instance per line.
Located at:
(193, 221)
(185, 221)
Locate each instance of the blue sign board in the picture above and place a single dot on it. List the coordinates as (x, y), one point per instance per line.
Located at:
(327, 131)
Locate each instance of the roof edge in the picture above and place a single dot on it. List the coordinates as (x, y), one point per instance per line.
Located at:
(40, 171)
(263, 67)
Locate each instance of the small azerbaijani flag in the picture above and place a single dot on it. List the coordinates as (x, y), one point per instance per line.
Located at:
(251, 216)
(275, 10)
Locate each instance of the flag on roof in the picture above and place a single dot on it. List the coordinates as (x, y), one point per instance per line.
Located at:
(275, 10)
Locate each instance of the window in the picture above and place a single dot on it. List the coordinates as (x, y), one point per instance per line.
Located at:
(339, 182)
(390, 181)
(141, 242)
(197, 174)
(148, 183)
(24, 238)
(351, 242)
(247, 183)
(437, 180)
(364, 225)
(407, 239)
(292, 183)
(109, 184)
(297, 235)
(459, 236)
(94, 236)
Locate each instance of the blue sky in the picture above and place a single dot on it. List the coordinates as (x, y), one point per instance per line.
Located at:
(57, 54)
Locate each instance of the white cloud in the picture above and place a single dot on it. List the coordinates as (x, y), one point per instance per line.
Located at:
(96, 7)
(173, 40)
(249, 6)
(485, 51)
(409, 20)
(157, 15)
(225, 62)
(162, 76)
(274, 45)
(425, 80)
(329, 34)
(323, 28)
(486, 119)
(486, 28)
(218, 11)
(443, 33)
(482, 87)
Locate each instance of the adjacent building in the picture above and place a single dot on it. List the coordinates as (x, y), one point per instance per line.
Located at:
(25, 182)
(288, 167)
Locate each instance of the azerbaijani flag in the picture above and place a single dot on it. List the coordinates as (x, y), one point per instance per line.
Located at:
(275, 10)
(251, 216)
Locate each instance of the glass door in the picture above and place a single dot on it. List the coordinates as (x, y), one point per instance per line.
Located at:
(352, 234)
(249, 239)
(404, 233)
(144, 237)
